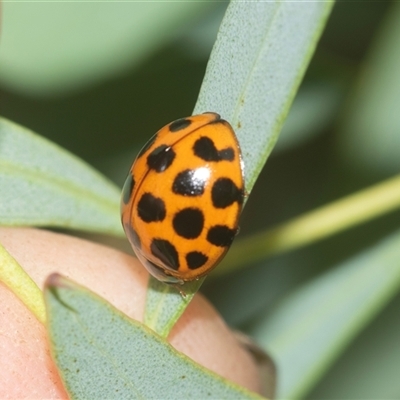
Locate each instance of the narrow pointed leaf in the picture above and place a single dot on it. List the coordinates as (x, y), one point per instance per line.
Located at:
(259, 58)
(102, 354)
(258, 61)
(44, 185)
(309, 329)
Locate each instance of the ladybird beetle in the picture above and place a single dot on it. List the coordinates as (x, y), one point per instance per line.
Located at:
(183, 196)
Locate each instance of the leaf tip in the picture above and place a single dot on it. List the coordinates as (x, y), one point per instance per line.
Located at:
(55, 280)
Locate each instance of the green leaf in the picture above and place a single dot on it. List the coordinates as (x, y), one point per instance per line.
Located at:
(309, 329)
(166, 303)
(44, 185)
(313, 110)
(55, 47)
(373, 362)
(21, 284)
(256, 66)
(101, 353)
(369, 135)
(254, 71)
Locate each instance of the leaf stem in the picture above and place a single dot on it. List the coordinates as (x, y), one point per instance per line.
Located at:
(21, 284)
(318, 224)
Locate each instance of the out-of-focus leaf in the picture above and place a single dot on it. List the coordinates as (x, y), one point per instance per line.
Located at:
(369, 137)
(309, 329)
(372, 362)
(44, 185)
(313, 109)
(102, 354)
(55, 47)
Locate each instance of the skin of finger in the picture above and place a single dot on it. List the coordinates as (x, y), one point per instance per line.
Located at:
(28, 370)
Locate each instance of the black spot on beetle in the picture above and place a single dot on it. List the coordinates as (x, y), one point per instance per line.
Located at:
(179, 124)
(221, 235)
(205, 149)
(160, 272)
(224, 193)
(151, 208)
(166, 252)
(227, 154)
(186, 183)
(188, 223)
(195, 259)
(160, 158)
(128, 188)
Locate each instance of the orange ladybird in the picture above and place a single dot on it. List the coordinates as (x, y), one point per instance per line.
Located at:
(183, 196)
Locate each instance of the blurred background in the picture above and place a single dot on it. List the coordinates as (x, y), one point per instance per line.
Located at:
(100, 78)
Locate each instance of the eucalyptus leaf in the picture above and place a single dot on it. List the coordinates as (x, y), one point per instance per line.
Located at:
(44, 185)
(307, 331)
(313, 109)
(57, 47)
(256, 66)
(369, 136)
(102, 354)
(258, 60)
(373, 361)
(166, 303)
